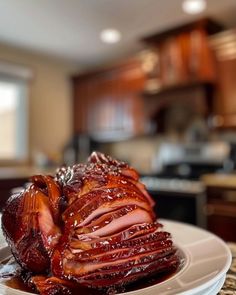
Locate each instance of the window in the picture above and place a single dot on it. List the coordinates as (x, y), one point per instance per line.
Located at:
(13, 119)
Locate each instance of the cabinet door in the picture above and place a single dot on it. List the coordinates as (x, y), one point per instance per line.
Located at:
(225, 98)
(80, 106)
(227, 87)
(221, 212)
(131, 77)
(186, 58)
(117, 109)
(102, 105)
(222, 220)
(110, 102)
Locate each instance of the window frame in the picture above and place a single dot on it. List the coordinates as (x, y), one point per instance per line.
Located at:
(22, 83)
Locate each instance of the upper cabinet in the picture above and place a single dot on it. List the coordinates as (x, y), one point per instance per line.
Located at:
(183, 56)
(108, 104)
(112, 103)
(224, 45)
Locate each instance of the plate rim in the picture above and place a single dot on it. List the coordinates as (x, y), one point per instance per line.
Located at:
(165, 222)
(221, 241)
(205, 285)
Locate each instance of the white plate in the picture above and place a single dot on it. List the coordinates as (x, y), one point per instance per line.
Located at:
(217, 287)
(206, 261)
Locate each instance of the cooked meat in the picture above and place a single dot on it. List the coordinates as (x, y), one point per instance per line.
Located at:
(29, 228)
(92, 225)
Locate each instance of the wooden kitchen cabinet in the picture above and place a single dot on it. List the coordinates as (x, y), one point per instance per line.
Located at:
(186, 58)
(113, 101)
(109, 103)
(221, 212)
(224, 46)
(225, 106)
(184, 54)
(227, 87)
(222, 221)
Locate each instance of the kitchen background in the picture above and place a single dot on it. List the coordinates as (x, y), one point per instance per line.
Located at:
(149, 82)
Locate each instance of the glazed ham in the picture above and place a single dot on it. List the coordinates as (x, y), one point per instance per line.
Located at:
(91, 225)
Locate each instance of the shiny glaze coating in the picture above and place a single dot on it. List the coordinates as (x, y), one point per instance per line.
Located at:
(91, 225)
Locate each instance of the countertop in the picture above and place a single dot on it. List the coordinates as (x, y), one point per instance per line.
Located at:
(216, 180)
(220, 180)
(22, 172)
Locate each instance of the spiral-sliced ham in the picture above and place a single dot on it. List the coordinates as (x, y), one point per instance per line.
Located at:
(91, 225)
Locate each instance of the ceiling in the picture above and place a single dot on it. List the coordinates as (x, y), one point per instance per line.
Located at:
(70, 29)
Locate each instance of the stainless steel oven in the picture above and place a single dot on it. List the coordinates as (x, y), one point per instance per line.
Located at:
(178, 199)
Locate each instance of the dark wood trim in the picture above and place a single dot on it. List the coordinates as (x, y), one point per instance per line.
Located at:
(209, 25)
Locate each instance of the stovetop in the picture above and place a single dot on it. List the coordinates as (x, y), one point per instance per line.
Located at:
(176, 185)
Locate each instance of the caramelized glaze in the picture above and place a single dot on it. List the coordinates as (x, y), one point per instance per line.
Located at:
(17, 283)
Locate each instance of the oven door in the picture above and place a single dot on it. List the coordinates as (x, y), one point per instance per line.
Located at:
(184, 207)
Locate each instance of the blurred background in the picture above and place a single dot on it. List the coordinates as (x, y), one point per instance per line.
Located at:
(149, 82)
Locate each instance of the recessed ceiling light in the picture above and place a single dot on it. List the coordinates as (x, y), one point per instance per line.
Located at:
(194, 6)
(110, 36)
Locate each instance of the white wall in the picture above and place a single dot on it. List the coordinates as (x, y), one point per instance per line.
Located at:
(50, 101)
